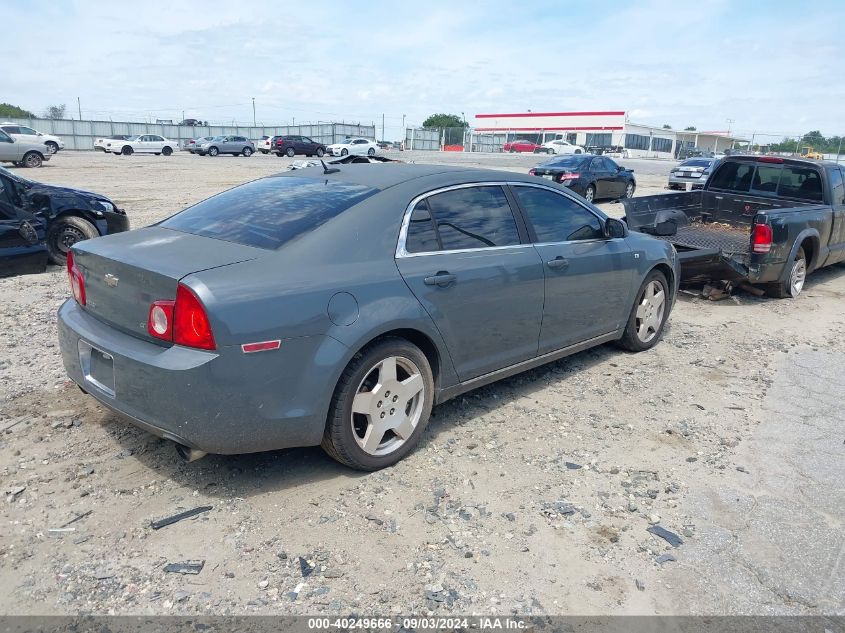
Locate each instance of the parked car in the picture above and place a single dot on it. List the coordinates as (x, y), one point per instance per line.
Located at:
(291, 144)
(303, 309)
(349, 159)
(694, 152)
(263, 144)
(191, 145)
(27, 134)
(593, 177)
(142, 144)
(190, 122)
(521, 145)
(234, 145)
(691, 173)
(760, 219)
(100, 143)
(22, 153)
(359, 146)
(22, 246)
(561, 147)
(69, 215)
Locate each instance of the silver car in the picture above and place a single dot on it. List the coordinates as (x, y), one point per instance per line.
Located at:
(22, 153)
(692, 173)
(233, 145)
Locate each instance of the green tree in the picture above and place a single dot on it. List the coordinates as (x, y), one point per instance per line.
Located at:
(691, 128)
(453, 125)
(666, 126)
(9, 111)
(55, 112)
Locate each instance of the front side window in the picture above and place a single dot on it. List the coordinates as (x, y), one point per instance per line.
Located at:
(5, 138)
(557, 218)
(473, 217)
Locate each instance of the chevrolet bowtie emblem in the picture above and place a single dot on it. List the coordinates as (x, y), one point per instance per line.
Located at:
(111, 280)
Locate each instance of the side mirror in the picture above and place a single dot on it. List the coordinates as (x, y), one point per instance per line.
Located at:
(614, 228)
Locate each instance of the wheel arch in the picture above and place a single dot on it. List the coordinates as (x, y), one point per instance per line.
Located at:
(417, 337)
(669, 273)
(82, 214)
(809, 240)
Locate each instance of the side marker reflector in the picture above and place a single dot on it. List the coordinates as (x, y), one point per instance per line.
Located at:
(249, 348)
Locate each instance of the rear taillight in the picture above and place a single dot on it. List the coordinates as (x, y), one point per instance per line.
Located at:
(569, 177)
(184, 321)
(531, 172)
(761, 238)
(77, 283)
(191, 326)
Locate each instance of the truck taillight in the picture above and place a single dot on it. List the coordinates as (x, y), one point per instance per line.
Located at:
(761, 238)
(77, 282)
(183, 321)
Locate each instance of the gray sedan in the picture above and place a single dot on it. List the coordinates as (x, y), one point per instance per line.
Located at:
(337, 307)
(234, 145)
(692, 173)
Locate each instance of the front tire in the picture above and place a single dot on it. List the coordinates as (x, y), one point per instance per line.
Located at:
(64, 233)
(52, 146)
(344, 152)
(32, 160)
(166, 151)
(629, 190)
(127, 151)
(792, 286)
(320, 152)
(381, 406)
(648, 315)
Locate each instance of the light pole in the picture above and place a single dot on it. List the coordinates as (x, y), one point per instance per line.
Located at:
(253, 112)
(464, 130)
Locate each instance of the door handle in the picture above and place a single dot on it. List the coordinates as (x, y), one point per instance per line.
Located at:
(442, 279)
(558, 262)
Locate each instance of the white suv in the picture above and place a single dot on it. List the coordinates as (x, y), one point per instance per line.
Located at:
(22, 133)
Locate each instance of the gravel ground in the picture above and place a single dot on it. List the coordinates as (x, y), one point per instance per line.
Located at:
(532, 495)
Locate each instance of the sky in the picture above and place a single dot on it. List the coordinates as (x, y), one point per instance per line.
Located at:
(770, 66)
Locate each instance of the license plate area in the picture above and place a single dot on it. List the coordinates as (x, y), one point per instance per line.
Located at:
(548, 176)
(97, 367)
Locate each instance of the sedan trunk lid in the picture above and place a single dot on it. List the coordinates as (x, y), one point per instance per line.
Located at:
(126, 272)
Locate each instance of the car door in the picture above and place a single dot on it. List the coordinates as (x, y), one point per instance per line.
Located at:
(837, 233)
(361, 146)
(466, 260)
(588, 277)
(22, 247)
(9, 150)
(616, 179)
(308, 145)
(29, 135)
(602, 177)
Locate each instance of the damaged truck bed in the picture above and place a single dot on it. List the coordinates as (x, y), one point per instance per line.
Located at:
(764, 220)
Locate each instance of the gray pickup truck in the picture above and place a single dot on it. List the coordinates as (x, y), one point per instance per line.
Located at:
(761, 219)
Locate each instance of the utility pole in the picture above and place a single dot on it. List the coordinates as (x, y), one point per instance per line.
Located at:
(403, 127)
(253, 112)
(839, 149)
(382, 126)
(730, 123)
(79, 105)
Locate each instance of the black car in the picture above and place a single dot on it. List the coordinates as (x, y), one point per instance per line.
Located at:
(588, 175)
(292, 144)
(69, 215)
(22, 245)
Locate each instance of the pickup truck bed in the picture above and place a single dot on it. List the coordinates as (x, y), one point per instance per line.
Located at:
(714, 229)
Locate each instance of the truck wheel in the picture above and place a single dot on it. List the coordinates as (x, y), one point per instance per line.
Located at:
(381, 405)
(648, 315)
(64, 233)
(794, 282)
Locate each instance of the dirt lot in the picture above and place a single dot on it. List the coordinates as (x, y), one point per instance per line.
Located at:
(533, 495)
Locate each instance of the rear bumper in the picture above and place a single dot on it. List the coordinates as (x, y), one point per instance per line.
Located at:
(686, 183)
(218, 402)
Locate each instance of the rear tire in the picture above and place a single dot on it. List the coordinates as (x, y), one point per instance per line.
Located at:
(590, 193)
(52, 146)
(64, 233)
(213, 151)
(320, 152)
(247, 152)
(792, 286)
(371, 152)
(380, 380)
(648, 314)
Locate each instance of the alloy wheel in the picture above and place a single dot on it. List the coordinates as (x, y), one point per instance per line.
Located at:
(797, 276)
(650, 310)
(387, 405)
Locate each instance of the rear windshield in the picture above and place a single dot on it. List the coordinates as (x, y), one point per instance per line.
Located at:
(696, 162)
(270, 212)
(787, 181)
(568, 161)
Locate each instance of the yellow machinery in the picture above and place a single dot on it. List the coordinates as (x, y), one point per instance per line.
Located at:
(809, 152)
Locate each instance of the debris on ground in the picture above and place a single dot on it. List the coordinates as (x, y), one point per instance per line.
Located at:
(187, 567)
(670, 537)
(187, 514)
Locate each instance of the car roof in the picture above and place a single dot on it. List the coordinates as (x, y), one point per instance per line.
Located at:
(387, 175)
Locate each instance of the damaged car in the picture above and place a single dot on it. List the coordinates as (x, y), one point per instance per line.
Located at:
(70, 215)
(22, 245)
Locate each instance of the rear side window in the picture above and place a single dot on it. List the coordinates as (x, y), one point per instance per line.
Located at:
(270, 212)
(733, 177)
(556, 218)
(802, 183)
(422, 236)
(766, 178)
(837, 187)
(473, 217)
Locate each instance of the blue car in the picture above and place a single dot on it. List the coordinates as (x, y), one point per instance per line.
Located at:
(336, 305)
(68, 215)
